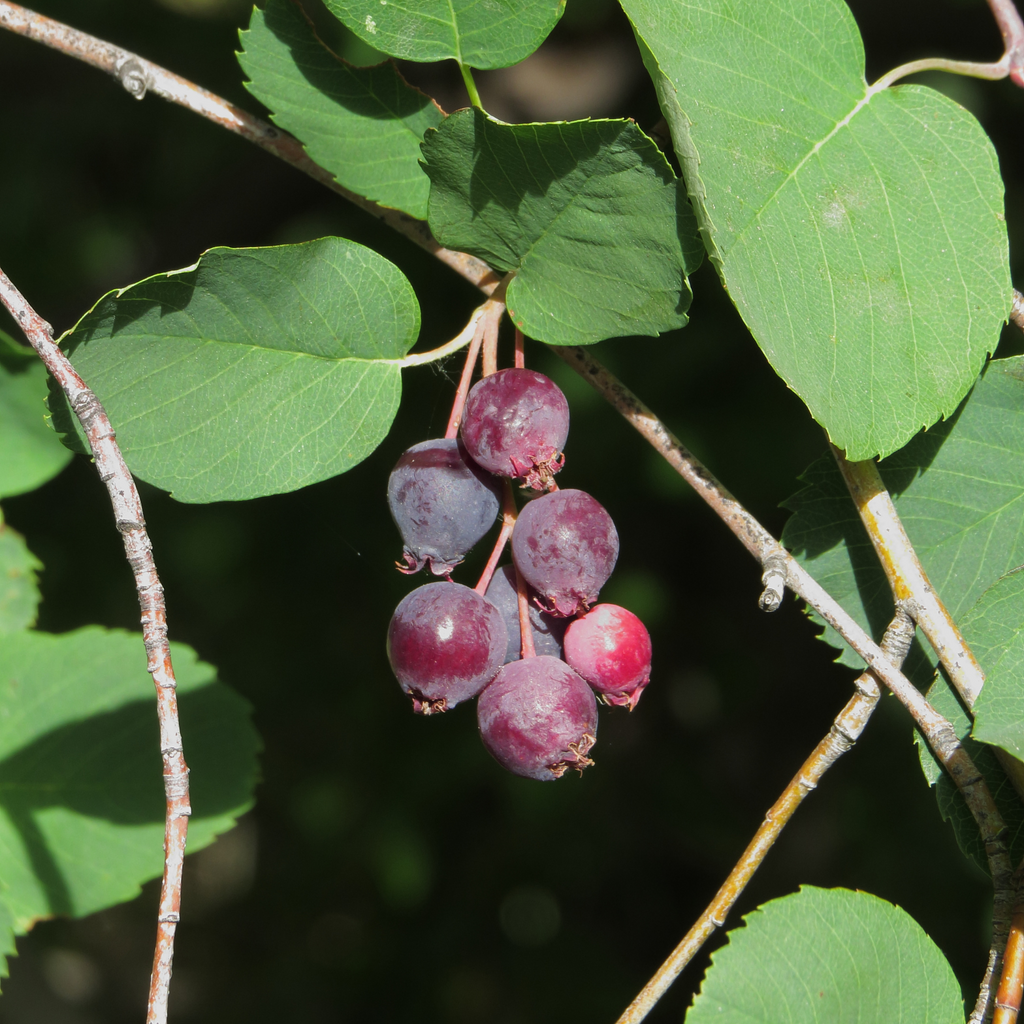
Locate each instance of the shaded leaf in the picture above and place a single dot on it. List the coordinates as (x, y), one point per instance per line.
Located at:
(860, 231)
(81, 781)
(959, 491)
(588, 214)
(364, 125)
(994, 628)
(952, 805)
(254, 372)
(30, 453)
(492, 34)
(828, 955)
(19, 592)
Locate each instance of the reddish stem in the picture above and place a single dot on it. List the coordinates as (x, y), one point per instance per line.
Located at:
(520, 353)
(508, 521)
(1012, 30)
(490, 360)
(455, 420)
(525, 629)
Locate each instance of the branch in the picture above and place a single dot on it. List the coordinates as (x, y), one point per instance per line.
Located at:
(1017, 310)
(140, 76)
(1011, 985)
(845, 731)
(938, 731)
(128, 517)
(914, 591)
(1011, 64)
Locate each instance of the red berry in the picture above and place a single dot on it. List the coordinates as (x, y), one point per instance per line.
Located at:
(445, 644)
(515, 424)
(611, 648)
(565, 545)
(538, 718)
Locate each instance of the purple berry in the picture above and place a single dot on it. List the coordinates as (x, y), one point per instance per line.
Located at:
(445, 644)
(515, 424)
(611, 648)
(442, 504)
(565, 545)
(538, 718)
(547, 630)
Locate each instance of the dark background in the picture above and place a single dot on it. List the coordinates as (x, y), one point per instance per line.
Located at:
(390, 870)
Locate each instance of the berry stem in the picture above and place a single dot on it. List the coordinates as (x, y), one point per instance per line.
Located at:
(484, 314)
(508, 520)
(525, 629)
(520, 354)
(490, 359)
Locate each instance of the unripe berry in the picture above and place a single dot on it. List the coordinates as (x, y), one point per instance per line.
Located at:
(611, 648)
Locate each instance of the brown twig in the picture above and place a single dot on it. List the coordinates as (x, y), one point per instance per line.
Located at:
(938, 731)
(845, 731)
(128, 517)
(911, 586)
(140, 76)
(1017, 310)
(1011, 985)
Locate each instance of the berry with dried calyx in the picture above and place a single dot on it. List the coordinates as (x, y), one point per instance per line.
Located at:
(611, 648)
(538, 718)
(442, 503)
(515, 424)
(565, 545)
(547, 630)
(445, 644)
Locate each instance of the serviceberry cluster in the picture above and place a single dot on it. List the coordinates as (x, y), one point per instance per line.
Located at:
(447, 643)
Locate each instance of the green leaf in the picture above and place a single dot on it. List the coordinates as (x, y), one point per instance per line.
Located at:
(828, 955)
(860, 231)
(959, 491)
(364, 125)
(587, 213)
(254, 372)
(19, 592)
(81, 783)
(994, 628)
(490, 34)
(30, 453)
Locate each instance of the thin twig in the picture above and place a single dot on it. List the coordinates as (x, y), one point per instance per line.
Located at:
(909, 582)
(1011, 64)
(911, 586)
(1017, 310)
(128, 517)
(937, 730)
(1011, 985)
(140, 76)
(845, 731)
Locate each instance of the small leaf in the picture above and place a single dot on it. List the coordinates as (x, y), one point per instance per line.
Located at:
(257, 371)
(493, 34)
(30, 453)
(588, 214)
(19, 592)
(364, 125)
(828, 955)
(959, 491)
(81, 783)
(994, 628)
(860, 231)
